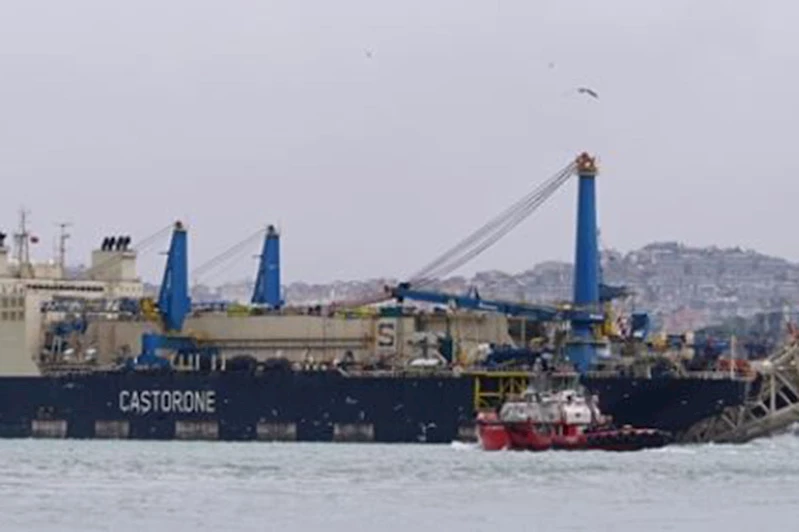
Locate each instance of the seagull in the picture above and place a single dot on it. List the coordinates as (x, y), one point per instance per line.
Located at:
(368, 53)
(586, 90)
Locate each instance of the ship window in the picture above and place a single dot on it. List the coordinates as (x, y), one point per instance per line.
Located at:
(4, 315)
(5, 302)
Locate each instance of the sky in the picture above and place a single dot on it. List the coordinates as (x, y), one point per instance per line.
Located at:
(376, 134)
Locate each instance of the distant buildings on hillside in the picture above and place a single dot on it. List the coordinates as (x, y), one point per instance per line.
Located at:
(682, 287)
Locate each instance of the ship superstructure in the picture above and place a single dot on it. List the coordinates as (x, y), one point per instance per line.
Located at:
(35, 295)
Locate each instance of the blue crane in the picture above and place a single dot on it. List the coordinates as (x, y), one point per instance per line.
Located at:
(267, 291)
(589, 293)
(473, 301)
(267, 284)
(529, 312)
(173, 305)
(174, 302)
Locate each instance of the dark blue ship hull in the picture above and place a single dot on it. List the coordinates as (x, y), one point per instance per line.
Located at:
(312, 405)
(668, 403)
(303, 406)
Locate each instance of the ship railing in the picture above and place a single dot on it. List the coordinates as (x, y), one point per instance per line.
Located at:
(398, 372)
(698, 375)
(66, 368)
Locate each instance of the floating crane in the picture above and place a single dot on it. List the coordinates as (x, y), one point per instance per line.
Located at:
(589, 293)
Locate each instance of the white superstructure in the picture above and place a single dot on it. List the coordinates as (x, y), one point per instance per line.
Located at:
(26, 287)
(568, 407)
(58, 322)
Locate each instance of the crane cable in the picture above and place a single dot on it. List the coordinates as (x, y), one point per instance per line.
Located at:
(506, 227)
(141, 246)
(232, 252)
(493, 231)
(483, 238)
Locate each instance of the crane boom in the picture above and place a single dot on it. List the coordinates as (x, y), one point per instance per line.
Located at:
(475, 302)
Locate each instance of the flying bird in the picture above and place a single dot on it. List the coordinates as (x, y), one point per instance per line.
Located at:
(368, 53)
(586, 90)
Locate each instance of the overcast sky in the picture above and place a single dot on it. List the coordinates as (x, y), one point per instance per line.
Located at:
(123, 116)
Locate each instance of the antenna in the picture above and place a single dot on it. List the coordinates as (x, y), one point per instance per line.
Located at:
(63, 236)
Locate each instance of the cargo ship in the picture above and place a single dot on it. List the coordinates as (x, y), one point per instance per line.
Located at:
(289, 375)
(89, 356)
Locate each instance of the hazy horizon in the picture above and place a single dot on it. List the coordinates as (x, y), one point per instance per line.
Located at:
(216, 280)
(376, 134)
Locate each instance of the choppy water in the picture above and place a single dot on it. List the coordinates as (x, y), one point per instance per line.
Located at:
(143, 486)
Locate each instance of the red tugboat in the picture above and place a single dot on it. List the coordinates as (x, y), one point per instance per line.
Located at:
(559, 420)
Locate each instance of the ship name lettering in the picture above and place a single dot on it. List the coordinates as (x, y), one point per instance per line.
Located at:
(167, 401)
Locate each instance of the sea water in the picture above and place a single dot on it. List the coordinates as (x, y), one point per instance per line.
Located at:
(71, 485)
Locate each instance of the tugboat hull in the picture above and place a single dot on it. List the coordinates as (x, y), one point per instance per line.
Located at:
(494, 436)
(565, 420)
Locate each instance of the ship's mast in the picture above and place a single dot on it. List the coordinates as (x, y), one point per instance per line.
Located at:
(62, 245)
(21, 245)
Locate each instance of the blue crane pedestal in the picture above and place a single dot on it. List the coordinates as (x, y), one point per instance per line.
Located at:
(581, 350)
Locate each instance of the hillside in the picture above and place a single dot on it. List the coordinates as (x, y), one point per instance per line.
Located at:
(683, 287)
